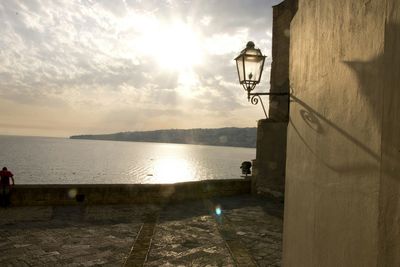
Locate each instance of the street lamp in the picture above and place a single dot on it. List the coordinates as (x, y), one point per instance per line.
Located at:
(250, 64)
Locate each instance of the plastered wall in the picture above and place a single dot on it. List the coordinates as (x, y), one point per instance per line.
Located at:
(342, 192)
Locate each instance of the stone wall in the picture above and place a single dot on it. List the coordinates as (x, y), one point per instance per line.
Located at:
(342, 198)
(269, 166)
(279, 81)
(26, 195)
(269, 169)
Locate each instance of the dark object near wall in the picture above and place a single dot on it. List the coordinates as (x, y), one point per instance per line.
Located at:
(80, 198)
(246, 166)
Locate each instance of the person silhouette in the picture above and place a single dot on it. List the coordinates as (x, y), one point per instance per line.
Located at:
(6, 186)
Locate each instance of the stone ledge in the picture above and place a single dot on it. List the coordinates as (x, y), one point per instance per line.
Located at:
(92, 194)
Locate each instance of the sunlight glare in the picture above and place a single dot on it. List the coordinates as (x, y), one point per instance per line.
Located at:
(175, 46)
(172, 170)
(187, 81)
(178, 47)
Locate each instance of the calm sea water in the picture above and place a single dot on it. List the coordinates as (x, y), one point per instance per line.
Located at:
(39, 160)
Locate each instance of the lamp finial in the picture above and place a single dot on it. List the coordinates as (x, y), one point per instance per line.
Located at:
(250, 44)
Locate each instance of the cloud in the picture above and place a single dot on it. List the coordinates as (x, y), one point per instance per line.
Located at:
(87, 57)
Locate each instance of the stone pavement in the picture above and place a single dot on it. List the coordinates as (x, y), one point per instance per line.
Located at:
(248, 232)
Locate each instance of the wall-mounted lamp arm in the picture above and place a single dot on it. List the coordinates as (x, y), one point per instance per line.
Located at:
(254, 98)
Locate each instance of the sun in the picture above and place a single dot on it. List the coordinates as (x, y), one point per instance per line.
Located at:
(178, 47)
(174, 46)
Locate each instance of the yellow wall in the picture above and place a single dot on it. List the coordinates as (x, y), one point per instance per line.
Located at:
(389, 221)
(342, 201)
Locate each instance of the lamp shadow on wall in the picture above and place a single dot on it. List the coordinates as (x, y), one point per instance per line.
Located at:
(315, 120)
(375, 80)
(382, 72)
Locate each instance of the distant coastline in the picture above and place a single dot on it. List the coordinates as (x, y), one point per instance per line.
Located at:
(228, 136)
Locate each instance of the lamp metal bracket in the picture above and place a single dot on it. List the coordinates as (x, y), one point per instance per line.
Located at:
(254, 98)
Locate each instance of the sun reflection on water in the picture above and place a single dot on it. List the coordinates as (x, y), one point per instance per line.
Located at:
(172, 170)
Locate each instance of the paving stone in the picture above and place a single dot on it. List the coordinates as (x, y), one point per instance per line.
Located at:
(68, 238)
(23, 214)
(263, 236)
(185, 234)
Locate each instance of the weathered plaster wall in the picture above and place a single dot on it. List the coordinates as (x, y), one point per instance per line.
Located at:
(342, 202)
(389, 209)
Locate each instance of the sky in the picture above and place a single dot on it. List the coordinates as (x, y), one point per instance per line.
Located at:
(86, 67)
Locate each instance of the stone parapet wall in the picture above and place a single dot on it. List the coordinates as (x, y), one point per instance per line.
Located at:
(30, 195)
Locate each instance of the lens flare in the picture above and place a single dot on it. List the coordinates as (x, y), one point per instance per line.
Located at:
(218, 210)
(72, 192)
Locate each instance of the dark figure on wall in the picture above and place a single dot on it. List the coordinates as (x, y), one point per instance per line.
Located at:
(246, 166)
(5, 186)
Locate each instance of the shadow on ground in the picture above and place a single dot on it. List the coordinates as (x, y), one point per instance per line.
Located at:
(188, 234)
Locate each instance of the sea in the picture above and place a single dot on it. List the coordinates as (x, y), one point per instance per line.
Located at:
(44, 160)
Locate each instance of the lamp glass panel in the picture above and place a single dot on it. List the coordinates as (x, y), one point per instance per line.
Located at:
(240, 68)
(253, 65)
